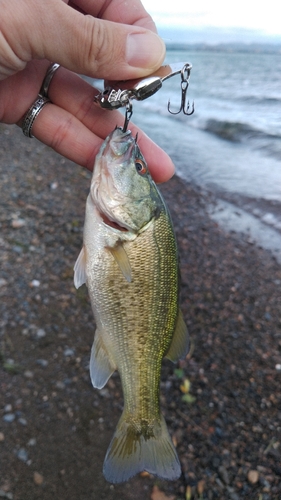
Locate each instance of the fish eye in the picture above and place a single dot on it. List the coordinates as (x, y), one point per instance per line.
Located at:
(140, 167)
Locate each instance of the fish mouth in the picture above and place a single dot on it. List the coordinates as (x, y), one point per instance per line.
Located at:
(121, 144)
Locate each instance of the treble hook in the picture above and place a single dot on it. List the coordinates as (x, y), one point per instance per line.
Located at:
(128, 115)
(185, 74)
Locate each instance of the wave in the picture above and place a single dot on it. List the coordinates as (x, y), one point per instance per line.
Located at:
(231, 131)
(236, 131)
(272, 148)
(261, 99)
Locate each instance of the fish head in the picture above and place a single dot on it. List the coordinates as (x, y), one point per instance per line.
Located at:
(122, 188)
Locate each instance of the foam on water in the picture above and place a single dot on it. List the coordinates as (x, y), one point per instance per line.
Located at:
(232, 218)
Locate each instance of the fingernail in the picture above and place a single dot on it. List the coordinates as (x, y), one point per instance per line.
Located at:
(145, 50)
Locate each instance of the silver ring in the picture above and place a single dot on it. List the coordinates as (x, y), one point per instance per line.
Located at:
(32, 114)
(48, 78)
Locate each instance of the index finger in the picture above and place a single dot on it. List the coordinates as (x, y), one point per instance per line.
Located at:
(75, 127)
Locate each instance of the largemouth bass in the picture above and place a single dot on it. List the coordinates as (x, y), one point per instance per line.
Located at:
(130, 265)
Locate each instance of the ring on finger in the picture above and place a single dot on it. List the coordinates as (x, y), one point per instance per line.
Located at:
(40, 102)
(48, 78)
(32, 114)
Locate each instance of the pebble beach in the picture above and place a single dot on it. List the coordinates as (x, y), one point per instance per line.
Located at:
(222, 404)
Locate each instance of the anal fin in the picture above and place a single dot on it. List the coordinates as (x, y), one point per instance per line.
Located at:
(101, 364)
(180, 342)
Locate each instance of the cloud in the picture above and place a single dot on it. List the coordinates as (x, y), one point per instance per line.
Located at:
(244, 14)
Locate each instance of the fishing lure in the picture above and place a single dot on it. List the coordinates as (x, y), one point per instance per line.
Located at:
(121, 93)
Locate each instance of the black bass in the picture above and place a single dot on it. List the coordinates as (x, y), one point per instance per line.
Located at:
(129, 262)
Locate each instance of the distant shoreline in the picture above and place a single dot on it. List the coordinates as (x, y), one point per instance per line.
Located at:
(257, 48)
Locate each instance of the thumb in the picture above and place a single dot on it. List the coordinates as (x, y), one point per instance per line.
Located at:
(85, 44)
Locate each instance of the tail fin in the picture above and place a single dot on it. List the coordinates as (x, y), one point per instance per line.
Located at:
(130, 452)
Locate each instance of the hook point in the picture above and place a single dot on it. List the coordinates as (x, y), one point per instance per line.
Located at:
(173, 112)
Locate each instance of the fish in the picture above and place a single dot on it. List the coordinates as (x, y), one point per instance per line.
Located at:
(129, 262)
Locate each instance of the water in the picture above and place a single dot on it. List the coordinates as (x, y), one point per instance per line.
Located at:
(231, 146)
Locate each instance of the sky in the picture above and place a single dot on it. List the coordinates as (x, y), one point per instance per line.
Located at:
(260, 18)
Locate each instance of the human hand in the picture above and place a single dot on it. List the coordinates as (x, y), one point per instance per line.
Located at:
(98, 45)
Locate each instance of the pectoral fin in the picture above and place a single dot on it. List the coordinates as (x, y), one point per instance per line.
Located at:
(101, 364)
(180, 342)
(119, 254)
(80, 269)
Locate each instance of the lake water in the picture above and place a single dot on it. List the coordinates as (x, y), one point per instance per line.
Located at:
(231, 145)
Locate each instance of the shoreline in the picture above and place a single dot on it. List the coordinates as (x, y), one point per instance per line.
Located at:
(54, 427)
(256, 220)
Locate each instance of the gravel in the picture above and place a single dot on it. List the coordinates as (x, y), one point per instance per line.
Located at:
(222, 404)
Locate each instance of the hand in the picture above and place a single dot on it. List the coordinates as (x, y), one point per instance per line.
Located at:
(87, 37)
